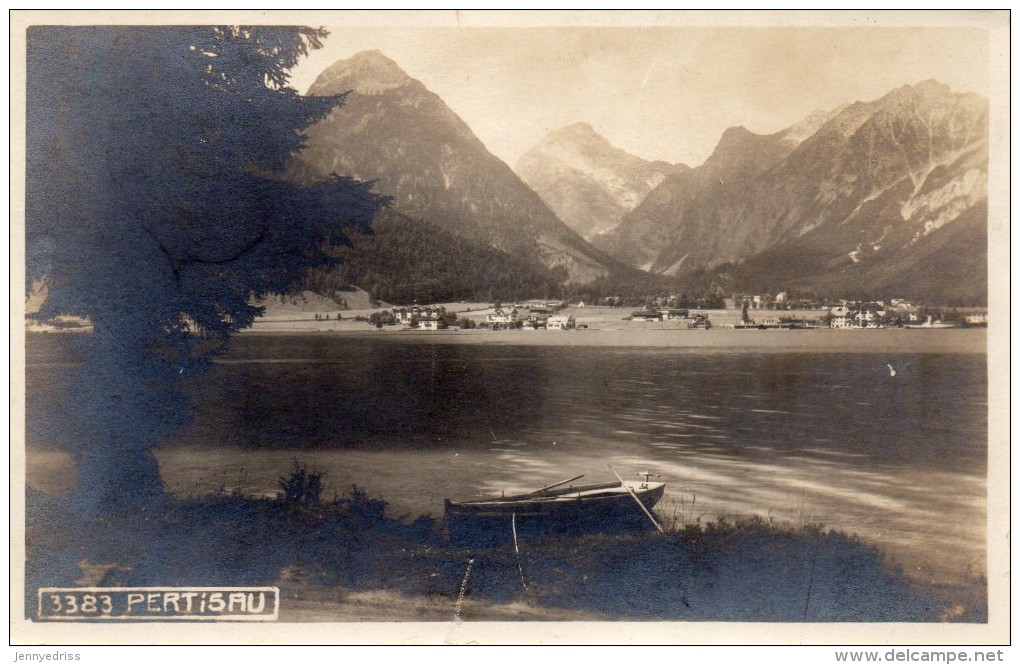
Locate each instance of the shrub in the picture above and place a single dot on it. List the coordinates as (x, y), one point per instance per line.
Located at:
(301, 487)
(361, 506)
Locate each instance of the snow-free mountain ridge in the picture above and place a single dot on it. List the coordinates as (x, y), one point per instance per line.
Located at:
(883, 196)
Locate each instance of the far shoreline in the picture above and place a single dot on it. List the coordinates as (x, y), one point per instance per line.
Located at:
(889, 340)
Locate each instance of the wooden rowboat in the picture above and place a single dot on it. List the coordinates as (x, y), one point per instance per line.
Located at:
(558, 508)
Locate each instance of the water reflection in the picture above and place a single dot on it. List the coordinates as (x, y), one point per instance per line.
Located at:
(808, 437)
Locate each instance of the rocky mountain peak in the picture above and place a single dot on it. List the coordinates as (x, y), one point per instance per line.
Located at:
(795, 134)
(367, 73)
(574, 138)
(586, 180)
(578, 129)
(929, 87)
(918, 97)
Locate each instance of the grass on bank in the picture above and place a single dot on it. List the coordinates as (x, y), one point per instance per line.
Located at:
(738, 569)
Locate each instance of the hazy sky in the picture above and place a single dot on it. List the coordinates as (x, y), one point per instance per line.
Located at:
(658, 92)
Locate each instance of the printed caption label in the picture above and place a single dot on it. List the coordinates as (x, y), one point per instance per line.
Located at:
(159, 604)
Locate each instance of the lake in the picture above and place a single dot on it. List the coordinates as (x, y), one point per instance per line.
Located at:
(796, 426)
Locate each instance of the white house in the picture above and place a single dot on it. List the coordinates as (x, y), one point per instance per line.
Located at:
(977, 319)
(841, 317)
(426, 318)
(501, 318)
(560, 322)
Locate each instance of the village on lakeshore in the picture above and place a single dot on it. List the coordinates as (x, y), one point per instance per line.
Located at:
(356, 310)
(753, 312)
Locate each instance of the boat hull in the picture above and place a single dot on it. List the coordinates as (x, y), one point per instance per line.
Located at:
(494, 521)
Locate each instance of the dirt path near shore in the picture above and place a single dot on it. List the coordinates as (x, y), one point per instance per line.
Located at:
(319, 604)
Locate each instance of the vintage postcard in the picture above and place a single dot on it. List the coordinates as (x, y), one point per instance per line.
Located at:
(443, 327)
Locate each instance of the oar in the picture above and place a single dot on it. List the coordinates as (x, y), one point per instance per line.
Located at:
(635, 497)
(562, 482)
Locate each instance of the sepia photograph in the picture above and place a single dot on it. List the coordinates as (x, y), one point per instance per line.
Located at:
(515, 327)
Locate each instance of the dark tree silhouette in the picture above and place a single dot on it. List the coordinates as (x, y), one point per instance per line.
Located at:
(156, 206)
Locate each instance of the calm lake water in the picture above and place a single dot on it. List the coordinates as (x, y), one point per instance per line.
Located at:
(802, 436)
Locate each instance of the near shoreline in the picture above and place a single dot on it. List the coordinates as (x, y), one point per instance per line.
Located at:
(345, 561)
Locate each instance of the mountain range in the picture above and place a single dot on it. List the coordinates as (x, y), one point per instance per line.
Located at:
(392, 130)
(887, 197)
(883, 195)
